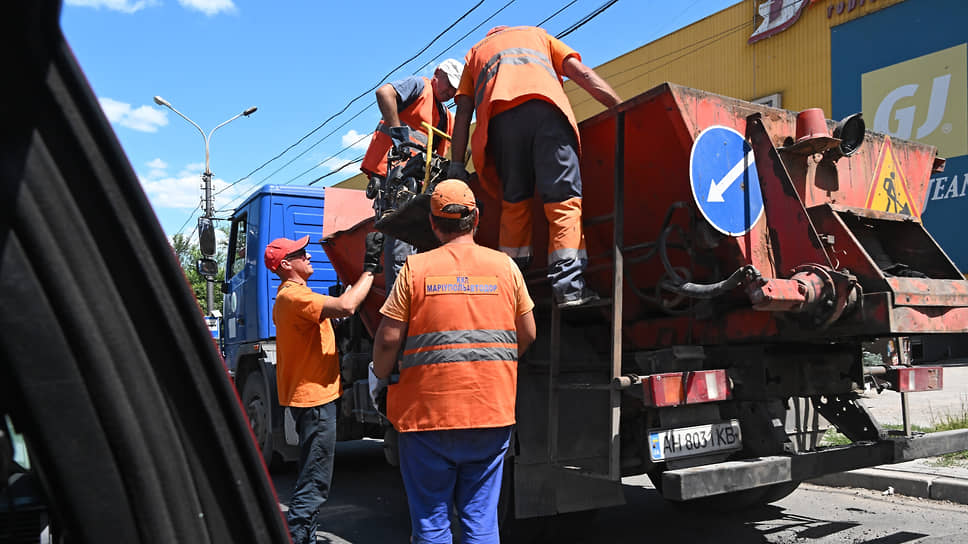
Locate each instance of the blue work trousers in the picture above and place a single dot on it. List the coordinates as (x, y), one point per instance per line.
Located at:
(317, 443)
(457, 468)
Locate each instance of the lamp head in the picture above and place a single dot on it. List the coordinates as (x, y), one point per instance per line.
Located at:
(161, 101)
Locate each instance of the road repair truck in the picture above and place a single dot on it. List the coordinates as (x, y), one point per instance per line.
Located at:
(745, 255)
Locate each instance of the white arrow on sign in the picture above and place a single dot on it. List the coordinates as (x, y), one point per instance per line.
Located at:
(716, 190)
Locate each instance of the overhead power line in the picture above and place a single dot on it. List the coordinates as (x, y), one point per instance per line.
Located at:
(555, 14)
(327, 174)
(361, 95)
(371, 104)
(190, 216)
(585, 19)
(572, 28)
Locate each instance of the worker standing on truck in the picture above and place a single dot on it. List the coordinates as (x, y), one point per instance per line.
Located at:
(465, 315)
(307, 368)
(527, 139)
(404, 106)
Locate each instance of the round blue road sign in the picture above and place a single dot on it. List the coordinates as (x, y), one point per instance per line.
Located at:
(724, 180)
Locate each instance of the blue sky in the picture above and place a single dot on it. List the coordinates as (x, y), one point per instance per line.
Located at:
(300, 62)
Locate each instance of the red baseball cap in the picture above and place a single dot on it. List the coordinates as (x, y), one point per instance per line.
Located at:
(277, 250)
(452, 191)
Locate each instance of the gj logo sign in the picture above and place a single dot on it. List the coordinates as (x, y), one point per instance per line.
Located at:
(922, 99)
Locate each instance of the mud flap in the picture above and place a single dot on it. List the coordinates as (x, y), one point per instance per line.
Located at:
(541, 489)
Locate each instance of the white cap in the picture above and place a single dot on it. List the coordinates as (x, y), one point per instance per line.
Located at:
(453, 68)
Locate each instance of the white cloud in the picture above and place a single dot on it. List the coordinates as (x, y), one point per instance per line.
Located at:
(351, 137)
(209, 7)
(335, 164)
(184, 191)
(157, 164)
(193, 169)
(142, 118)
(124, 6)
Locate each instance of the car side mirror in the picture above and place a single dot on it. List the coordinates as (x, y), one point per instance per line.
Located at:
(206, 236)
(207, 268)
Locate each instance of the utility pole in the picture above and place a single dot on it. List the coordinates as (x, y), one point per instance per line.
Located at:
(207, 266)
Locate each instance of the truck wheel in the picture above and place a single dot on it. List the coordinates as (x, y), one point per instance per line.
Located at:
(259, 413)
(390, 451)
(776, 492)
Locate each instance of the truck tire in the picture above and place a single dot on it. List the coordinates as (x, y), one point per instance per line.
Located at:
(255, 401)
(390, 450)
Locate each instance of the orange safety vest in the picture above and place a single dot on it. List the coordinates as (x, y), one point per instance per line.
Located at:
(423, 109)
(459, 365)
(512, 65)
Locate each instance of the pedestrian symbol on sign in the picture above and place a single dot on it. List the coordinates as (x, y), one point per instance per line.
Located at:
(724, 180)
(888, 192)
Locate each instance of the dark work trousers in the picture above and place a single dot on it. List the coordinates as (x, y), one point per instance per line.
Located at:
(317, 443)
(535, 150)
(395, 253)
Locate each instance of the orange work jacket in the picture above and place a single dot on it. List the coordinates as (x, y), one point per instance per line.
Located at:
(459, 365)
(510, 67)
(423, 109)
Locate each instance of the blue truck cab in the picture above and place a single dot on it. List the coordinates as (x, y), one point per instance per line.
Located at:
(248, 332)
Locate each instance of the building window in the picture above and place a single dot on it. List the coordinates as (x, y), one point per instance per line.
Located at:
(774, 100)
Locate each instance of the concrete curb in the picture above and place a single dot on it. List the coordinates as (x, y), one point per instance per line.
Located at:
(926, 486)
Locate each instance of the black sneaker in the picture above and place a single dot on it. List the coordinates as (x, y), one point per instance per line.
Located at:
(585, 296)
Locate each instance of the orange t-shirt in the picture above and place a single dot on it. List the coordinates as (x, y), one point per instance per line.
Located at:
(307, 365)
(397, 305)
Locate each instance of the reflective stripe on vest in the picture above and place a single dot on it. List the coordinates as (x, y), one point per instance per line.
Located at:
(460, 346)
(459, 365)
(511, 55)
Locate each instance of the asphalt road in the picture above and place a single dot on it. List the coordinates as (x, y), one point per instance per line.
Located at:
(368, 505)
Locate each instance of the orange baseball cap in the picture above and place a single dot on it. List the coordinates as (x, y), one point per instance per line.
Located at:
(277, 250)
(452, 191)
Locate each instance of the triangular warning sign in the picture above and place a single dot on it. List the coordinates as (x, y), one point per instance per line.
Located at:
(889, 192)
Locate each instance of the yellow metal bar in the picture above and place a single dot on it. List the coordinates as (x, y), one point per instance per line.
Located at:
(431, 130)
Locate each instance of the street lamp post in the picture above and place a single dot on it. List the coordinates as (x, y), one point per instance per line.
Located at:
(208, 205)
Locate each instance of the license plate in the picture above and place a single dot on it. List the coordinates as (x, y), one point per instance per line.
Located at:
(698, 440)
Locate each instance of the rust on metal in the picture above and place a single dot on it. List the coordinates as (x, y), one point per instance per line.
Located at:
(928, 292)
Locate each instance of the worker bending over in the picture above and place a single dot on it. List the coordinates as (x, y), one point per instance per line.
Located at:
(404, 106)
(463, 314)
(527, 139)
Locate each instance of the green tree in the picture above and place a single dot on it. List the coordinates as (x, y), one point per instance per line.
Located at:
(187, 252)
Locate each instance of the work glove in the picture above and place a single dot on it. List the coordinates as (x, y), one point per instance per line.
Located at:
(376, 386)
(456, 170)
(400, 135)
(374, 248)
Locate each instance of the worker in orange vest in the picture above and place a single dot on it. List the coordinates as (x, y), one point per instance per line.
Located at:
(464, 315)
(404, 106)
(527, 140)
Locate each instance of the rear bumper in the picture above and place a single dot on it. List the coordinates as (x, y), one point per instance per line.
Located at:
(702, 481)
